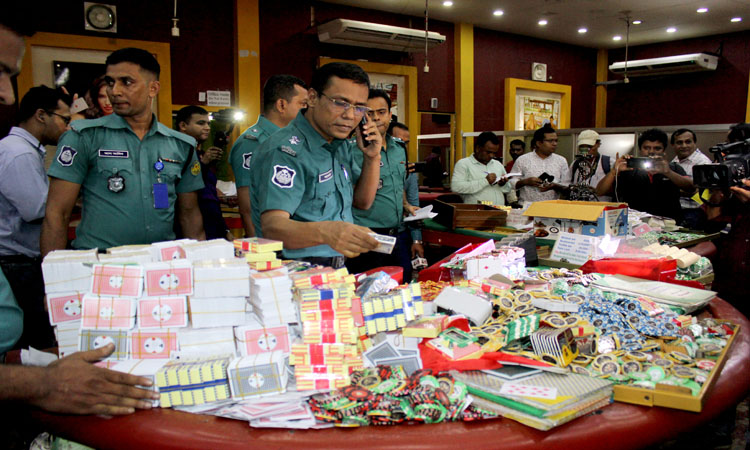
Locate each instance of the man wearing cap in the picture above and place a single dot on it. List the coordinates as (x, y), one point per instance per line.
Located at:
(588, 169)
(134, 172)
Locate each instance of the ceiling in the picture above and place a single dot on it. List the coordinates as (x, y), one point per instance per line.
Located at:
(602, 18)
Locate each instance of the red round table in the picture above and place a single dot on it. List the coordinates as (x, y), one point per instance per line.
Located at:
(618, 425)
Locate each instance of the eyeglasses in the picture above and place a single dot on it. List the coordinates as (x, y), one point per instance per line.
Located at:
(343, 106)
(549, 140)
(65, 119)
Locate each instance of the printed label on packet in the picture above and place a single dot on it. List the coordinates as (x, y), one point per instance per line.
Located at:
(386, 243)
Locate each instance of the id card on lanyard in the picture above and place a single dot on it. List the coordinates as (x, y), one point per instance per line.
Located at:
(161, 193)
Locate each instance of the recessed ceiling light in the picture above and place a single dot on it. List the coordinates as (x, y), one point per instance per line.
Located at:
(542, 22)
(671, 29)
(498, 12)
(616, 38)
(637, 22)
(736, 19)
(582, 30)
(448, 3)
(701, 10)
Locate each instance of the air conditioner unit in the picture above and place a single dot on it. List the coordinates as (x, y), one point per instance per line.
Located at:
(375, 35)
(693, 62)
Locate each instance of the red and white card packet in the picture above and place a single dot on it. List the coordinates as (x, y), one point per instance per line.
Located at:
(117, 280)
(254, 339)
(168, 278)
(169, 250)
(213, 249)
(108, 313)
(68, 270)
(64, 307)
(162, 312)
(152, 344)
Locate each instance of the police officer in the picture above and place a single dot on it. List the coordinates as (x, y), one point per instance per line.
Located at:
(134, 171)
(301, 178)
(385, 216)
(283, 97)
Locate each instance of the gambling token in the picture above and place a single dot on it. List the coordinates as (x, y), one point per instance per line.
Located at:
(581, 370)
(573, 298)
(663, 363)
(679, 357)
(636, 355)
(631, 366)
(710, 349)
(523, 298)
(582, 359)
(683, 372)
(705, 364)
(369, 382)
(601, 359)
(572, 320)
(610, 368)
(557, 322)
(505, 303)
(656, 373)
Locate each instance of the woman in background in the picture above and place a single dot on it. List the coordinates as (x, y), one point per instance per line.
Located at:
(98, 101)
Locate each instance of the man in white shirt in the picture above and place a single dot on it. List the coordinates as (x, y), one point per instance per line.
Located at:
(688, 154)
(542, 170)
(480, 177)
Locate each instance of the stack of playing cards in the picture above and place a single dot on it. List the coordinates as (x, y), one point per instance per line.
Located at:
(271, 297)
(329, 329)
(259, 253)
(193, 382)
(385, 354)
(253, 338)
(386, 243)
(68, 270)
(257, 375)
(391, 311)
(169, 250)
(213, 249)
(554, 345)
(456, 344)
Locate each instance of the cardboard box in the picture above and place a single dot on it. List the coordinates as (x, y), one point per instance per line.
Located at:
(588, 218)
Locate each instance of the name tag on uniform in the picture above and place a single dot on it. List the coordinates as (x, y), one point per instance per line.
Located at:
(325, 176)
(113, 153)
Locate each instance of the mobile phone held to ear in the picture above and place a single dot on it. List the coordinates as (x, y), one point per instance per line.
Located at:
(362, 124)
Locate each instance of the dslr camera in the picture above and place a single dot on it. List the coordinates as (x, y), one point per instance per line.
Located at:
(731, 166)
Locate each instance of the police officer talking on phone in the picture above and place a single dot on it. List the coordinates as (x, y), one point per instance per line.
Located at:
(654, 187)
(133, 170)
(301, 188)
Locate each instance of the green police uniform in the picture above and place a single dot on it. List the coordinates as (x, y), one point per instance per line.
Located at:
(387, 210)
(117, 174)
(245, 145)
(299, 172)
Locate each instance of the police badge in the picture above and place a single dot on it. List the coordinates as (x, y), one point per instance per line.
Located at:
(283, 176)
(116, 183)
(246, 160)
(66, 156)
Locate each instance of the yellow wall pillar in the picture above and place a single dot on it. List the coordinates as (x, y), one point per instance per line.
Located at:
(602, 61)
(464, 78)
(247, 61)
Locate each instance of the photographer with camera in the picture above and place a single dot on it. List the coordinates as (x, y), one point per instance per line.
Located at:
(649, 184)
(588, 169)
(729, 202)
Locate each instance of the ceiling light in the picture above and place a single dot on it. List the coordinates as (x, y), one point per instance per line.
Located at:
(701, 10)
(498, 12)
(582, 30)
(448, 3)
(542, 22)
(616, 38)
(637, 22)
(671, 29)
(736, 19)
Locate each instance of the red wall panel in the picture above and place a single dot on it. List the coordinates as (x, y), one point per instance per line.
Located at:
(289, 44)
(683, 99)
(500, 55)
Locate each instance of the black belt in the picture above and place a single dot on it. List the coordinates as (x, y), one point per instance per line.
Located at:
(15, 259)
(332, 261)
(386, 231)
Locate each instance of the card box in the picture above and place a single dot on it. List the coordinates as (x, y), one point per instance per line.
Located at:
(108, 313)
(169, 278)
(64, 307)
(162, 312)
(117, 280)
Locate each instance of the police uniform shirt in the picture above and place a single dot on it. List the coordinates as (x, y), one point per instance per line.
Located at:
(244, 147)
(388, 207)
(299, 172)
(117, 175)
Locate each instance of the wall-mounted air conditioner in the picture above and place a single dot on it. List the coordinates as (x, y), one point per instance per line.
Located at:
(375, 35)
(694, 62)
